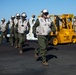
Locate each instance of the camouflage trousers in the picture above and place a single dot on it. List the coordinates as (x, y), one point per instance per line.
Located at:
(16, 39)
(22, 38)
(43, 43)
(12, 38)
(3, 35)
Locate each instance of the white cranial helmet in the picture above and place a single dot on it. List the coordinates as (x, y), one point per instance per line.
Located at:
(12, 16)
(24, 14)
(45, 12)
(17, 14)
(3, 19)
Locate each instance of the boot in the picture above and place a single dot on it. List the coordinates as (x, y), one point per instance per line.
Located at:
(21, 51)
(36, 56)
(16, 47)
(12, 44)
(45, 63)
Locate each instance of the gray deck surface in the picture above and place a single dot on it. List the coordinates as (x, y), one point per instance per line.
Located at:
(61, 59)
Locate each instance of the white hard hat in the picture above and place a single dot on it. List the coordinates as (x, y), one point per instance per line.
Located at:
(3, 19)
(12, 16)
(33, 16)
(17, 14)
(24, 14)
(45, 11)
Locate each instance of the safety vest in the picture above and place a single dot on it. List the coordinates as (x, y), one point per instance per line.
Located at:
(11, 23)
(3, 26)
(22, 26)
(44, 27)
(16, 21)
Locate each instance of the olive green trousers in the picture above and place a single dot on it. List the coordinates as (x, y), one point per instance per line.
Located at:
(43, 43)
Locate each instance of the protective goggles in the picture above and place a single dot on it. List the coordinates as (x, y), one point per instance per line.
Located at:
(46, 13)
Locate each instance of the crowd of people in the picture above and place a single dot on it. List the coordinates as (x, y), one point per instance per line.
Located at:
(19, 27)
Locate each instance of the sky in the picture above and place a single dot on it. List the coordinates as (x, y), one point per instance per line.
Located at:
(56, 7)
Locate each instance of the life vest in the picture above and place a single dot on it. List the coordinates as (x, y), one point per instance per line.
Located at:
(3, 26)
(11, 24)
(44, 27)
(22, 26)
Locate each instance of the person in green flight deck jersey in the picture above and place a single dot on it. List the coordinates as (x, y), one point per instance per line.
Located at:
(41, 29)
